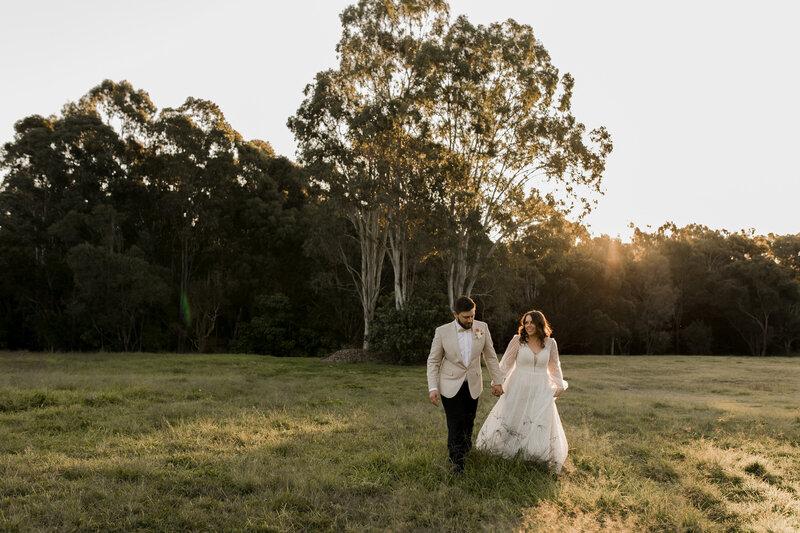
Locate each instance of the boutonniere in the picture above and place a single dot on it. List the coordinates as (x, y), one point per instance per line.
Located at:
(478, 333)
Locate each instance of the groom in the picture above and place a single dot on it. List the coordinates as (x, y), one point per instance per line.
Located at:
(454, 369)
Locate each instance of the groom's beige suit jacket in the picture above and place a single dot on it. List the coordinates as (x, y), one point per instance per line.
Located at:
(446, 369)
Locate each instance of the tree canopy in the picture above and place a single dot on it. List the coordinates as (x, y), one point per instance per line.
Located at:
(438, 158)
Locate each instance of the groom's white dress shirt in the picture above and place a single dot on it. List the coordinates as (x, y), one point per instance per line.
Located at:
(464, 343)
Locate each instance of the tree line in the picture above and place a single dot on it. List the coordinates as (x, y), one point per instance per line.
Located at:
(439, 158)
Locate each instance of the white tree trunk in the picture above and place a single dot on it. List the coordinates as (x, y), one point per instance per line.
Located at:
(464, 268)
(372, 241)
(398, 255)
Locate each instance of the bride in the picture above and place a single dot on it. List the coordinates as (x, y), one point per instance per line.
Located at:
(524, 422)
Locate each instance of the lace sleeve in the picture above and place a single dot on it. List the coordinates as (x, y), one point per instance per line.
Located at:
(510, 357)
(554, 369)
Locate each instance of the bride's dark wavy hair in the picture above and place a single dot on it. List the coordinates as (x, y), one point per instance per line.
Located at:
(543, 329)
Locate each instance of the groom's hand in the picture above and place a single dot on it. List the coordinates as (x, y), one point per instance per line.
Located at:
(435, 397)
(497, 390)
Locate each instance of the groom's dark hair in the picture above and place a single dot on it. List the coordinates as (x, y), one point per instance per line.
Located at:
(463, 304)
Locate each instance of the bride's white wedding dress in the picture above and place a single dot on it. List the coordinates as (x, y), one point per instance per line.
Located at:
(524, 422)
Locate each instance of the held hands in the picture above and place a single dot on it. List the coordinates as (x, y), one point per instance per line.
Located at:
(497, 390)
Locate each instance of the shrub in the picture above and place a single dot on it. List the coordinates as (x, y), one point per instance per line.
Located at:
(696, 338)
(406, 335)
(278, 329)
(270, 331)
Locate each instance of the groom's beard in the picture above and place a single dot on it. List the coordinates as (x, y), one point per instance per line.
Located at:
(462, 325)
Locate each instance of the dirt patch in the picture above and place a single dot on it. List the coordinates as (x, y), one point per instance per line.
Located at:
(357, 355)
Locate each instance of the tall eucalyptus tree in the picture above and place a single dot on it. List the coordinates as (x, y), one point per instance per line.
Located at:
(502, 113)
(358, 132)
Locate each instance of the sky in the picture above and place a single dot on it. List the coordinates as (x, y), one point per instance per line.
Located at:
(701, 97)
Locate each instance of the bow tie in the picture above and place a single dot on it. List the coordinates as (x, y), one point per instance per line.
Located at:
(462, 330)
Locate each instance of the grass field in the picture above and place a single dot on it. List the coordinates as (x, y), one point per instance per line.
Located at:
(145, 442)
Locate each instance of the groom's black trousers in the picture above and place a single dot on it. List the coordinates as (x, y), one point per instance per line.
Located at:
(460, 411)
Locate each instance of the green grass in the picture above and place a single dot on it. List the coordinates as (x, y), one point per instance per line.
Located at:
(127, 442)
